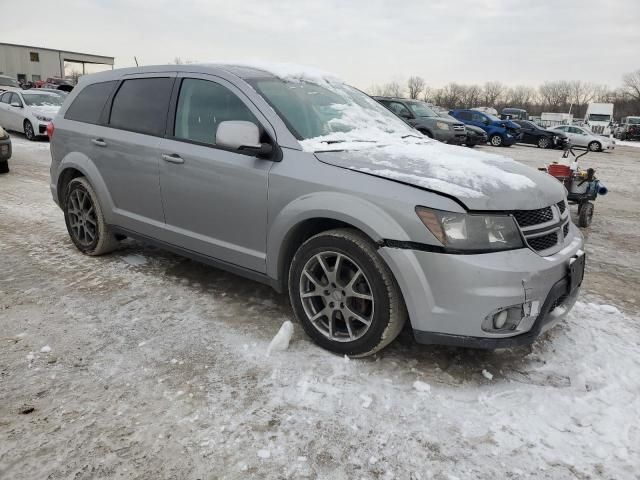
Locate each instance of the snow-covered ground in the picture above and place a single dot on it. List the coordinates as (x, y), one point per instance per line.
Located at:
(143, 364)
(627, 143)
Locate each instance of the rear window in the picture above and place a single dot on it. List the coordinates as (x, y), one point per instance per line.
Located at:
(89, 103)
(141, 105)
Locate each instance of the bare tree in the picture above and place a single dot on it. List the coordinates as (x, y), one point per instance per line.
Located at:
(555, 94)
(520, 96)
(415, 86)
(491, 93)
(392, 89)
(631, 84)
(471, 96)
(581, 93)
(427, 94)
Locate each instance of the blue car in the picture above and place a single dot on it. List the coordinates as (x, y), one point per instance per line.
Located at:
(501, 133)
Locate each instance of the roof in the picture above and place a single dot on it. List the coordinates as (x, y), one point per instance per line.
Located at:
(57, 50)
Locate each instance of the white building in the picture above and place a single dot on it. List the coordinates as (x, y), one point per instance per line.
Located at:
(30, 64)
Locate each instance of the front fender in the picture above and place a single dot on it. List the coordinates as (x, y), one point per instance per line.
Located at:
(82, 163)
(364, 215)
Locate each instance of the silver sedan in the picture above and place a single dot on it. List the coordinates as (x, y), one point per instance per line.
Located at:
(583, 137)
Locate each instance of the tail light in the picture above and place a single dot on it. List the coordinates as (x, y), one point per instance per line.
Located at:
(50, 130)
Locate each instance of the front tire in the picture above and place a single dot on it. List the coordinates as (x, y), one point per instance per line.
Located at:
(29, 132)
(85, 221)
(495, 140)
(4, 166)
(595, 146)
(544, 142)
(344, 295)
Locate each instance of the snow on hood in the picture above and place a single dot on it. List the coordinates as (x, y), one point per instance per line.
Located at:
(480, 180)
(46, 110)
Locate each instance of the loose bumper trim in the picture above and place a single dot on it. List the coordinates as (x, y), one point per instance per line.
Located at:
(545, 318)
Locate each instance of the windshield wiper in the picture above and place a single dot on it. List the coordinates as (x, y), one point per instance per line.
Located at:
(410, 135)
(330, 142)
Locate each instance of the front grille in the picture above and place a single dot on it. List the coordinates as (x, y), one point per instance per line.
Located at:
(460, 128)
(543, 242)
(565, 229)
(527, 218)
(561, 206)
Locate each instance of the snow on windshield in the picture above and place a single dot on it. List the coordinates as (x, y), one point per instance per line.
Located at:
(328, 115)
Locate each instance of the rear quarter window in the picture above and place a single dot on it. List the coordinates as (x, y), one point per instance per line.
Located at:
(89, 103)
(141, 105)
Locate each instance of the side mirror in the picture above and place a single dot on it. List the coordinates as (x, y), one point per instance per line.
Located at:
(242, 135)
(16, 104)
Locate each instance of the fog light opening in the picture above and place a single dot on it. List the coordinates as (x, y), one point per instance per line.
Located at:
(499, 319)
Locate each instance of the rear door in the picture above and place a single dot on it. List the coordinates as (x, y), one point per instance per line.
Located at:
(126, 149)
(13, 114)
(215, 199)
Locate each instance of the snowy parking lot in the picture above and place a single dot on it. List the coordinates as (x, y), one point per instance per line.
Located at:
(142, 364)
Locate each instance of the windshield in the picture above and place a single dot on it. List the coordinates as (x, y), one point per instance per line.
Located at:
(421, 110)
(43, 99)
(598, 117)
(335, 112)
(634, 120)
(8, 82)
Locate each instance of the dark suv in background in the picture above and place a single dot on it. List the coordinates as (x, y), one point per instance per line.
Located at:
(629, 129)
(424, 119)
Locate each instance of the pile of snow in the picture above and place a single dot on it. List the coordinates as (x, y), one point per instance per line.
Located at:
(627, 143)
(292, 72)
(281, 341)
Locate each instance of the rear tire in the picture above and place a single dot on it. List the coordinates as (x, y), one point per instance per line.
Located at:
(595, 146)
(85, 221)
(4, 166)
(495, 140)
(344, 294)
(29, 132)
(585, 214)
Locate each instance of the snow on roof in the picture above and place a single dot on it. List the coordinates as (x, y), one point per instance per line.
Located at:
(290, 71)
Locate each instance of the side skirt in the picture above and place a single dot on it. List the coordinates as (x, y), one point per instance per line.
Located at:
(214, 262)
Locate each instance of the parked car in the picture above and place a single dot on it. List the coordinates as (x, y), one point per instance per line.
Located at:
(543, 138)
(8, 83)
(29, 111)
(56, 83)
(297, 180)
(583, 137)
(421, 117)
(5, 150)
(474, 135)
(514, 114)
(500, 132)
(629, 129)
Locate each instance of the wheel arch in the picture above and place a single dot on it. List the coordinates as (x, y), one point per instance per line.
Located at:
(79, 165)
(310, 215)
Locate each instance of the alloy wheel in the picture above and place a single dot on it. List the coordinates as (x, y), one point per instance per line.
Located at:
(28, 130)
(496, 140)
(337, 296)
(82, 217)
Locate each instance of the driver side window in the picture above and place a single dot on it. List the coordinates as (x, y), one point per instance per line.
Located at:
(478, 117)
(202, 106)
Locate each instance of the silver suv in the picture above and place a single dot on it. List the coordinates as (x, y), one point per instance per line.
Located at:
(292, 178)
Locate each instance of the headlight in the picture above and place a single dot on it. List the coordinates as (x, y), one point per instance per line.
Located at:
(43, 118)
(3, 134)
(462, 232)
(442, 126)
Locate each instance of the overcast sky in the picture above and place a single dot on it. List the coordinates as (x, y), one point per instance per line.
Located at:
(365, 42)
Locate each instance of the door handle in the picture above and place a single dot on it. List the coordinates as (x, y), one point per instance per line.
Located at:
(173, 158)
(99, 142)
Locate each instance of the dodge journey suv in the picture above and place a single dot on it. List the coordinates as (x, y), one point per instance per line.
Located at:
(290, 177)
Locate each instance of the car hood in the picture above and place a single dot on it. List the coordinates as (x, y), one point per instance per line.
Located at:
(506, 124)
(479, 180)
(46, 111)
(475, 129)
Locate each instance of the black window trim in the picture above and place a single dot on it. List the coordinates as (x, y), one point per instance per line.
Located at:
(100, 116)
(276, 156)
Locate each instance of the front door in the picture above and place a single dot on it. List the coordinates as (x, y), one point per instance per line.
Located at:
(215, 200)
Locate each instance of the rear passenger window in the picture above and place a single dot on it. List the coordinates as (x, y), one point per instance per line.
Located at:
(89, 103)
(141, 105)
(202, 105)
(464, 116)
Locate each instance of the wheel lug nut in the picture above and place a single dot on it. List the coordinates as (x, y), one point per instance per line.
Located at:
(331, 304)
